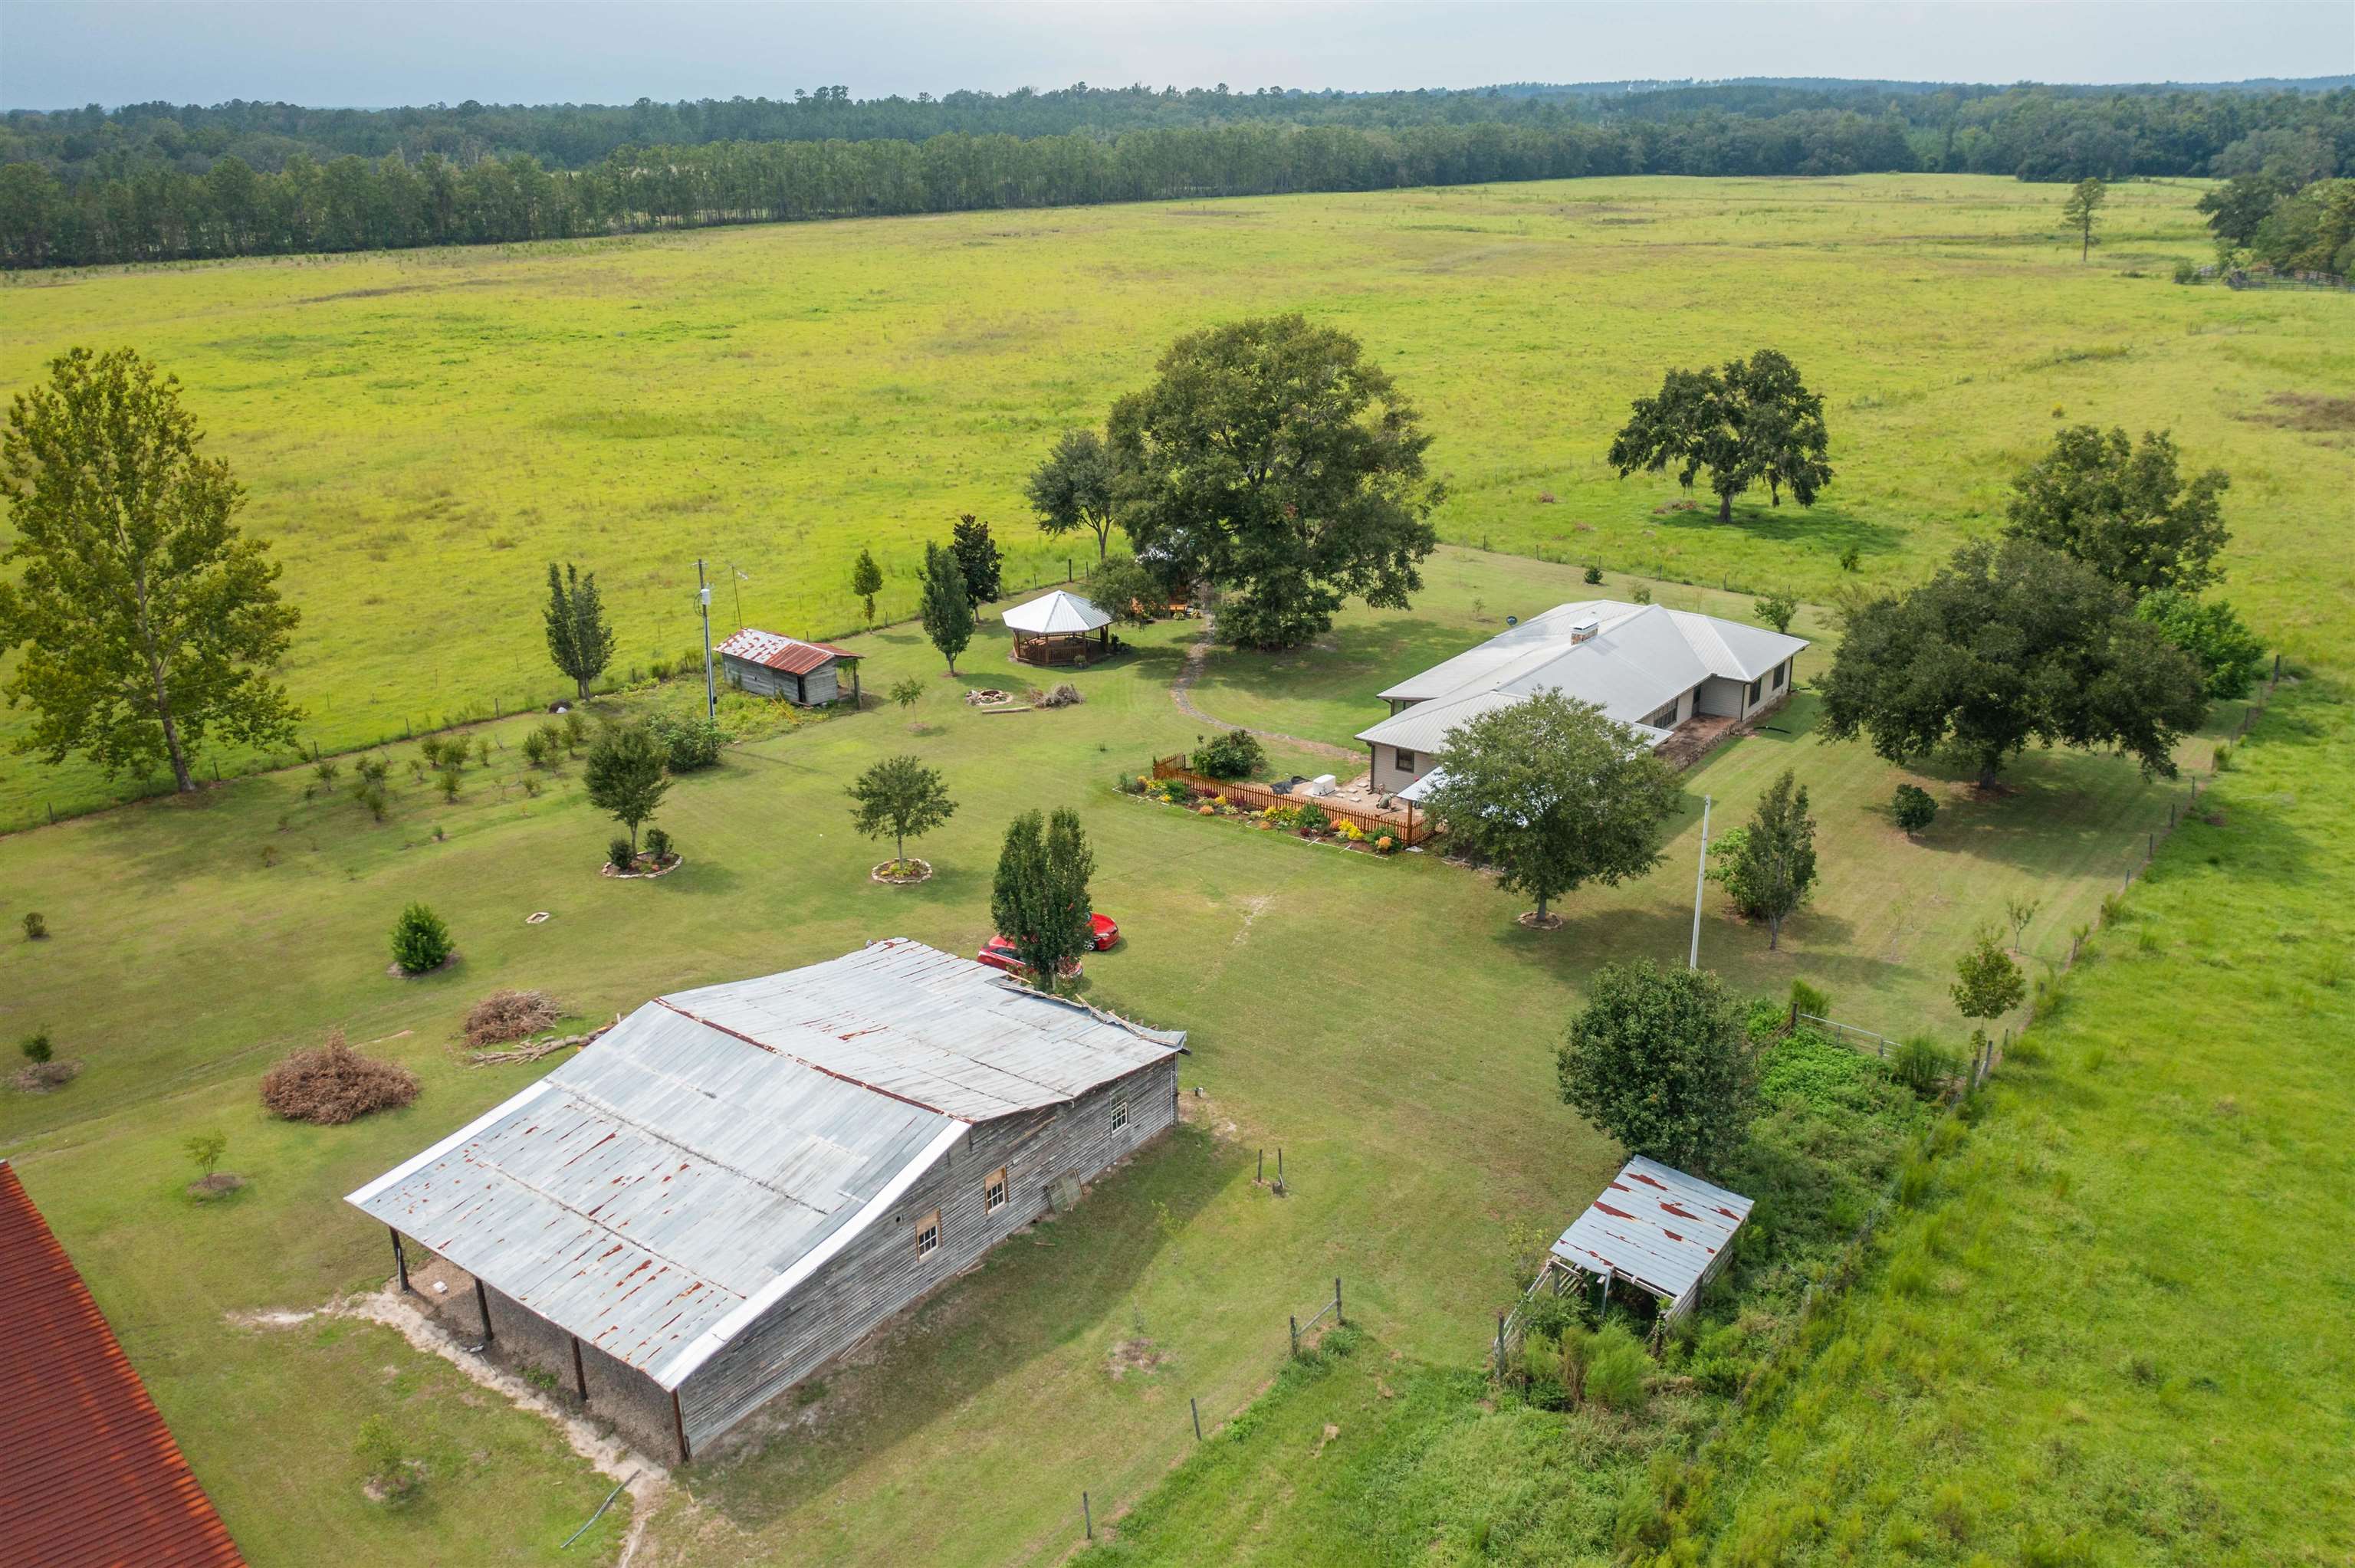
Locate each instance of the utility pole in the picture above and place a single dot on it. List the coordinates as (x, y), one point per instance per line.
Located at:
(1701, 884)
(710, 693)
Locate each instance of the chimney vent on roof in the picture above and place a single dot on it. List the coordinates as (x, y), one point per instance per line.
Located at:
(1583, 628)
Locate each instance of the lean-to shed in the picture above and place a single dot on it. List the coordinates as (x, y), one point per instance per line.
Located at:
(773, 665)
(739, 1183)
(1655, 1228)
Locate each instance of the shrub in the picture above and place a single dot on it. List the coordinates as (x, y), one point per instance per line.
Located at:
(659, 668)
(658, 845)
(327, 767)
(1851, 559)
(37, 925)
(688, 742)
(1921, 1065)
(392, 1475)
(1237, 754)
(205, 1150)
(334, 1084)
(1618, 1372)
(531, 786)
(449, 779)
(1173, 791)
(575, 728)
(2221, 758)
(2186, 270)
(1642, 596)
(1913, 808)
(483, 751)
(370, 793)
(430, 749)
(1808, 999)
(506, 1015)
(1311, 819)
(1384, 844)
(420, 943)
(1595, 574)
(619, 854)
(36, 1047)
(373, 769)
(536, 748)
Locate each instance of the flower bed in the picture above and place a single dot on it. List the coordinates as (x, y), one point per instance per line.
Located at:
(903, 873)
(1306, 821)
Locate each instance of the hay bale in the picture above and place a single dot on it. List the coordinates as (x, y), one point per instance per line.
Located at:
(506, 1015)
(334, 1084)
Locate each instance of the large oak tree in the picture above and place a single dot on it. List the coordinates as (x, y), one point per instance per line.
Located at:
(148, 621)
(1753, 422)
(2009, 644)
(1270, 460)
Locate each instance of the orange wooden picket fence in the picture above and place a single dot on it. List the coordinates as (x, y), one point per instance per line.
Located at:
(1405, 824)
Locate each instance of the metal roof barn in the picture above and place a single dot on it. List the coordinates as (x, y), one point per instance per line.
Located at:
(1658, 1228)
(658, 1192)
(774, 651)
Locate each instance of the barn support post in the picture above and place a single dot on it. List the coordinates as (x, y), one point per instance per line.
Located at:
(400, 1261)
(678, 1425)
(580, 1375)
(483, 1305)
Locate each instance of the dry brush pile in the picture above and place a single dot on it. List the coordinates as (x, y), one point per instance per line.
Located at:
(334, 1083)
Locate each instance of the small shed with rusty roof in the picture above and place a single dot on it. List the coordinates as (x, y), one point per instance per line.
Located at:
(771, 664)
(1657, 1228)
(737, 1184)
(90, 1475)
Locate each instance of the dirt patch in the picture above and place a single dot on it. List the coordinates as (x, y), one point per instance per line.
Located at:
(2298, 411)
(44, 1078)
(1137, 1355)
(268, 1318)
(218, 1184)
(1330, 1433)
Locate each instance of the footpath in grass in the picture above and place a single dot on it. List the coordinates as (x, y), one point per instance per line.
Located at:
(2119, 1333)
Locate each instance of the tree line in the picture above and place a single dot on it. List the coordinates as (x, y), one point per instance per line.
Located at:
(87, 187)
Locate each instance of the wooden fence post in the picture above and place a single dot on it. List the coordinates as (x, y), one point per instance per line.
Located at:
(1087, 1517)
(1294, 1321)
(1196, 1406)
(1337, 1316)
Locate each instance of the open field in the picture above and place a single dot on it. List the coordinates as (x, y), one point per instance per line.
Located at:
(1345, 1008)
(422, 431)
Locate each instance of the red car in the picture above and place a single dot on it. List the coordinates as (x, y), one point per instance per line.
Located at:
(999, 954)
(1107, 932)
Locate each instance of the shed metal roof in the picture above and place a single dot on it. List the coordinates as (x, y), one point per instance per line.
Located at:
(1057, 611)
(791, 655)
(1656, 1226)
(664, 1187)
(91, 1475)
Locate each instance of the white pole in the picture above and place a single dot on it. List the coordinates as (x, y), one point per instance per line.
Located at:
(1700, 882)
(710, 693)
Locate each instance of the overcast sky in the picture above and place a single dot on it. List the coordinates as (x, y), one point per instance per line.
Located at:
(57, 53)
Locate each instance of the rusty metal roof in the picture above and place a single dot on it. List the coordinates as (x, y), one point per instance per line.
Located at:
(91, 1475)
(791, 655)
(663, 1188)
(1656, 1226)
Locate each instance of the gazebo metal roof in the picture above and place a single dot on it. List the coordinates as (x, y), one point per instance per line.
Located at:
(1058, 612)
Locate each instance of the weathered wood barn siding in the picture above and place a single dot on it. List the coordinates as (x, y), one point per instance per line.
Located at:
(879, 1274)
(822, 686)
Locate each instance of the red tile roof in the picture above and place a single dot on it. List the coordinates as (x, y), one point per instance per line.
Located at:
(790, 654)
(91, 1475)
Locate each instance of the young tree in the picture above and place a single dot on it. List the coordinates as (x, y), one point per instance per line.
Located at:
(1913, 808)
(1987, 984)
(1554, 795)
(867, 581)
(420, 942)
(901, 796)
(2019, 911)
(578, 639)
(977, 559)
(2004, 646)
(907, 693)
(2081, 212)
(1775, 867)
(205, 1150)
(624, 775)
(1657, 1059)
(1039, 899)
(1776, 609)
(1073, 489)
(1270, 458)
(1754, 420)
(147, 621)
(2227, 652)
(2123, 510)
(947, 609)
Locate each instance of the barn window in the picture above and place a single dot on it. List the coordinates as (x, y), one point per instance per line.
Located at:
(1119, 1114)
(928, 1235)
(992, 1191)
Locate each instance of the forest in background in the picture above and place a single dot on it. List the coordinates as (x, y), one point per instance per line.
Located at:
(158, 182)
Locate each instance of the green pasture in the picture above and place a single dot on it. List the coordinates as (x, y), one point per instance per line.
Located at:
(422, 431)
(1383, 1021)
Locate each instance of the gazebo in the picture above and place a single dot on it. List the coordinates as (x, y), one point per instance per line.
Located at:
(1061, 629)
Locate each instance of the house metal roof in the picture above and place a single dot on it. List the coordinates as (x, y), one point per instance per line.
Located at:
(1639, 659)
(91, 1475)
(1057, 611)
(664, 1187)
(1656, 1226)
(791, 655)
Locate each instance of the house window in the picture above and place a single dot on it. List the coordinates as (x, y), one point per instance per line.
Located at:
(1406, 761)
(992, 1191)
(1754, 688)
(1119, 1114)
(928, 1235)
(1782, 674)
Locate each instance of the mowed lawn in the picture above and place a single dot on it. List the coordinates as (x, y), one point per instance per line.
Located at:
(421, 432)
(1384, 1022)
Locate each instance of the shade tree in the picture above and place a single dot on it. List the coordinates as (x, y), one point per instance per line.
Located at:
(1658, 1059)
(2125, 510)
(1073, 489)
(1752, 421)
(1039, 898)
(2082, 211)
(900, 798)
(626, 775)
